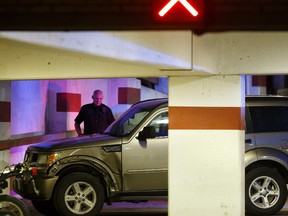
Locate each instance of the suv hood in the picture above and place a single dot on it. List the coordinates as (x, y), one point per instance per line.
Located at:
(75, 142)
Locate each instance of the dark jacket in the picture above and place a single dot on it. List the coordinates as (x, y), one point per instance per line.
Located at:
(96, 118)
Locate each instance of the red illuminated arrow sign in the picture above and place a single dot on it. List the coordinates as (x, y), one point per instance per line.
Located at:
(171, 3)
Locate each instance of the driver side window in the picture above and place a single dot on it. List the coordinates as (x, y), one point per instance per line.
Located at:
(160, 123)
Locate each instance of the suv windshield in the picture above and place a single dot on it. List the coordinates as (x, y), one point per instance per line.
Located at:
(130, 119)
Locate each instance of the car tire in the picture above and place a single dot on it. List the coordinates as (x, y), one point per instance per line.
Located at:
(10, 206)
(79, 194)
(265, 191)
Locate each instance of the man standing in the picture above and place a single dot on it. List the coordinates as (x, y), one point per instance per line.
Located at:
(96, 116)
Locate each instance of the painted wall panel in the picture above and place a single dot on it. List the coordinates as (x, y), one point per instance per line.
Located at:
(68, 102)
(5, 113)
(128, 95)
(28, 106)
(4, 130)
(5, 99)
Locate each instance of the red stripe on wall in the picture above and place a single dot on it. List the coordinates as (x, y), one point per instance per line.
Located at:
(128, 95)
(210, 118)
(5, 113)
(68, 102)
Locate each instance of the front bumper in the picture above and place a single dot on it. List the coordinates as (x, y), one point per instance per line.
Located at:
(41, 190)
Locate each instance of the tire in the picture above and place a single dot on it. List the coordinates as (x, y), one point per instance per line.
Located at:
(44, 207)
(79, 194)
(7, 213)
(11, 206)
(265, 191)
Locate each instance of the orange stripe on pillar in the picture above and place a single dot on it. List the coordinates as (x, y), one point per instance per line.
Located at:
(206, 118)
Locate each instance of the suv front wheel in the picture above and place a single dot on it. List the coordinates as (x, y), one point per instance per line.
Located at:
(79, 194)
(265, 191)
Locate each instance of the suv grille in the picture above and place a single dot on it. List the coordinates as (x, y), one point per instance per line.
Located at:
(31, 157)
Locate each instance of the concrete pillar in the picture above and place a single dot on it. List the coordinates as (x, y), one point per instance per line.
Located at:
(206, 145)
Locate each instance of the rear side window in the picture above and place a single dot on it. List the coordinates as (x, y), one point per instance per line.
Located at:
(269, 118)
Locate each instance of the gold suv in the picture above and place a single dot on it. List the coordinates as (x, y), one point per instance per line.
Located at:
(75, 176)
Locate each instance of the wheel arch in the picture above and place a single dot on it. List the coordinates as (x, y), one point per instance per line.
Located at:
(86, 164)
(269, 164)
(266, 157)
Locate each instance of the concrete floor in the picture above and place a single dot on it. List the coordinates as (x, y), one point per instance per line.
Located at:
(155, 208)
(152, 208)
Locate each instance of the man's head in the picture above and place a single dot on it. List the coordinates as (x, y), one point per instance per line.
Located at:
(97, 97)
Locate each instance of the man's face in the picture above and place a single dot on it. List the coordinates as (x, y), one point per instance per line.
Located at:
(97, 98)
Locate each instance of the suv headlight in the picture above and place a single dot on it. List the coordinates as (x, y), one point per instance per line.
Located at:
(48, 159)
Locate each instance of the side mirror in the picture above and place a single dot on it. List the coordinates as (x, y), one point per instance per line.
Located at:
(147, 132)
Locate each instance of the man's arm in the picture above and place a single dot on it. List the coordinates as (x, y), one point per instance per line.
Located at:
(78, 128)
(111, 116)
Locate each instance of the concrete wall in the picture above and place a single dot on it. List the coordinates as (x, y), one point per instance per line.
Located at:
(34, 105)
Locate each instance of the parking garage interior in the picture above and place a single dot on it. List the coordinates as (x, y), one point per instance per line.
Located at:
(211, 69)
